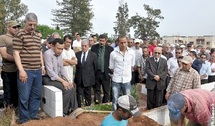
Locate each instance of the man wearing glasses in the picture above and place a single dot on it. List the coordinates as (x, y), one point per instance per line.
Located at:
(205, 69)
(156, 69)
(9, 68)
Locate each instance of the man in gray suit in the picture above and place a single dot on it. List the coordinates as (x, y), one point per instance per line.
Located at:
(85, 73)
(156, 68)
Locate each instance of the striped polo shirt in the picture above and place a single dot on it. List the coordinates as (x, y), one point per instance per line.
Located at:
(29, 47)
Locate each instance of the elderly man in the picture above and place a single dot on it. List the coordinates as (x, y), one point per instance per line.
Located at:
(27, 52)
(156, 69)
(85, 72)
(184, 78)
(9, 69)
(194, 104)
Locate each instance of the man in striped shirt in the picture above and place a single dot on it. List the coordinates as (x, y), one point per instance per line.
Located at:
(27, 52)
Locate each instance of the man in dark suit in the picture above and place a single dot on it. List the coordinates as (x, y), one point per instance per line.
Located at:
(102, 78)
(156, 68)
(85, 73)
(197, 64)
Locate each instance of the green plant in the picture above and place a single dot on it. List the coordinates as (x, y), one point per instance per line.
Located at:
(101, 107)
(134, 92)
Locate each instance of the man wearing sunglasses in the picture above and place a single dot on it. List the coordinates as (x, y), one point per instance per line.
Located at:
(9, 68)
(156, 68)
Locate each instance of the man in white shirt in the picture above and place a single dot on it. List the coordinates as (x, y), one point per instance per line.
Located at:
(138, 53)
(69, 58)
(173, 62)
(77, 43)
(122, 61)
(205, 69)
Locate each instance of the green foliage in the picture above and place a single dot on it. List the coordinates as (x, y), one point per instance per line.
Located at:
(146, 26)
(11, 10)
(74, 16)
(134, 92)
(101, 107)
(46, 30)
(122, 24)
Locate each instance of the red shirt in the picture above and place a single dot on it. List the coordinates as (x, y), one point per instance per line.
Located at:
(151, 49)
(198, 105)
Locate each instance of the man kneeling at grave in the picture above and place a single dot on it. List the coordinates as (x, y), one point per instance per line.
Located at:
(56, 76)
(126, 108)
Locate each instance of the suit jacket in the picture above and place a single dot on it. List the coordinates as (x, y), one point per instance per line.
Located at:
(86, 74)
(108, 50)
(152, 70)
(197, 65)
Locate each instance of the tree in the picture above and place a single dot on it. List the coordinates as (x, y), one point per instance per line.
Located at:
(146, 26)
(74, 16)
(122, 24)
(11, 10)
(46, 30)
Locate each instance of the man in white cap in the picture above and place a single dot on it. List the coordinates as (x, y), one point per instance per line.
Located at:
(126, 108)
(138, 53)
(184, 78)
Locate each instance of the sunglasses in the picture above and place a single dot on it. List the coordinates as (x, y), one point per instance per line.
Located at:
(14, 27)
(157, 53)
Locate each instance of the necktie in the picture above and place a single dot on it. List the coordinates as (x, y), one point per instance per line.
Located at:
(83, 59)
(156, 61)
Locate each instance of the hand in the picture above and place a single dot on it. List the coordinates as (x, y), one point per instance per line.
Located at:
(157, 78)
(167, 95)
(67, 85)
(23, 76)
(141, 78)
(43, 71)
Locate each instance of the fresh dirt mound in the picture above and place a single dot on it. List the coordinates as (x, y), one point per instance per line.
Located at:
(142, 121)
(87, 119)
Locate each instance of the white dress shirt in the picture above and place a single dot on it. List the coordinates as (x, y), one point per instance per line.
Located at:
(172, 64)
(122, 65)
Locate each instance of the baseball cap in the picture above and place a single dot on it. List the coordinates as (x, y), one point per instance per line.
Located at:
(12, 23)
(137, 41)
(182, 46)
(187, 59)
(129, 103)
(175, 103)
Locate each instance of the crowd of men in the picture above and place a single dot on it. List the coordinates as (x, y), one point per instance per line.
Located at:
(27, 64)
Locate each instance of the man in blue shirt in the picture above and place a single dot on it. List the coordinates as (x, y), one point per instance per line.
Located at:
(126, 108)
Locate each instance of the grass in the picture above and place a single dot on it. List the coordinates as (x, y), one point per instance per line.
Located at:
(6, 117)
(101, 107)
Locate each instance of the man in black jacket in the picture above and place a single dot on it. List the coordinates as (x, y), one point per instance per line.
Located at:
(85, 73)
(102, 77)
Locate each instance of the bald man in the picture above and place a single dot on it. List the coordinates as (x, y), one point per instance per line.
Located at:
(156, 68)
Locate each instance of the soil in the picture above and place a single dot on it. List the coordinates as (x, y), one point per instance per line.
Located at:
(94, 119)
(88, 119)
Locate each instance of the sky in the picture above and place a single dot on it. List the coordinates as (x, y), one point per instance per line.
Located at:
(181, 17)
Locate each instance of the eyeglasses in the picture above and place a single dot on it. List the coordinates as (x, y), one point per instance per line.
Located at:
(178, 52)
(157, 53)
(14, 27)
